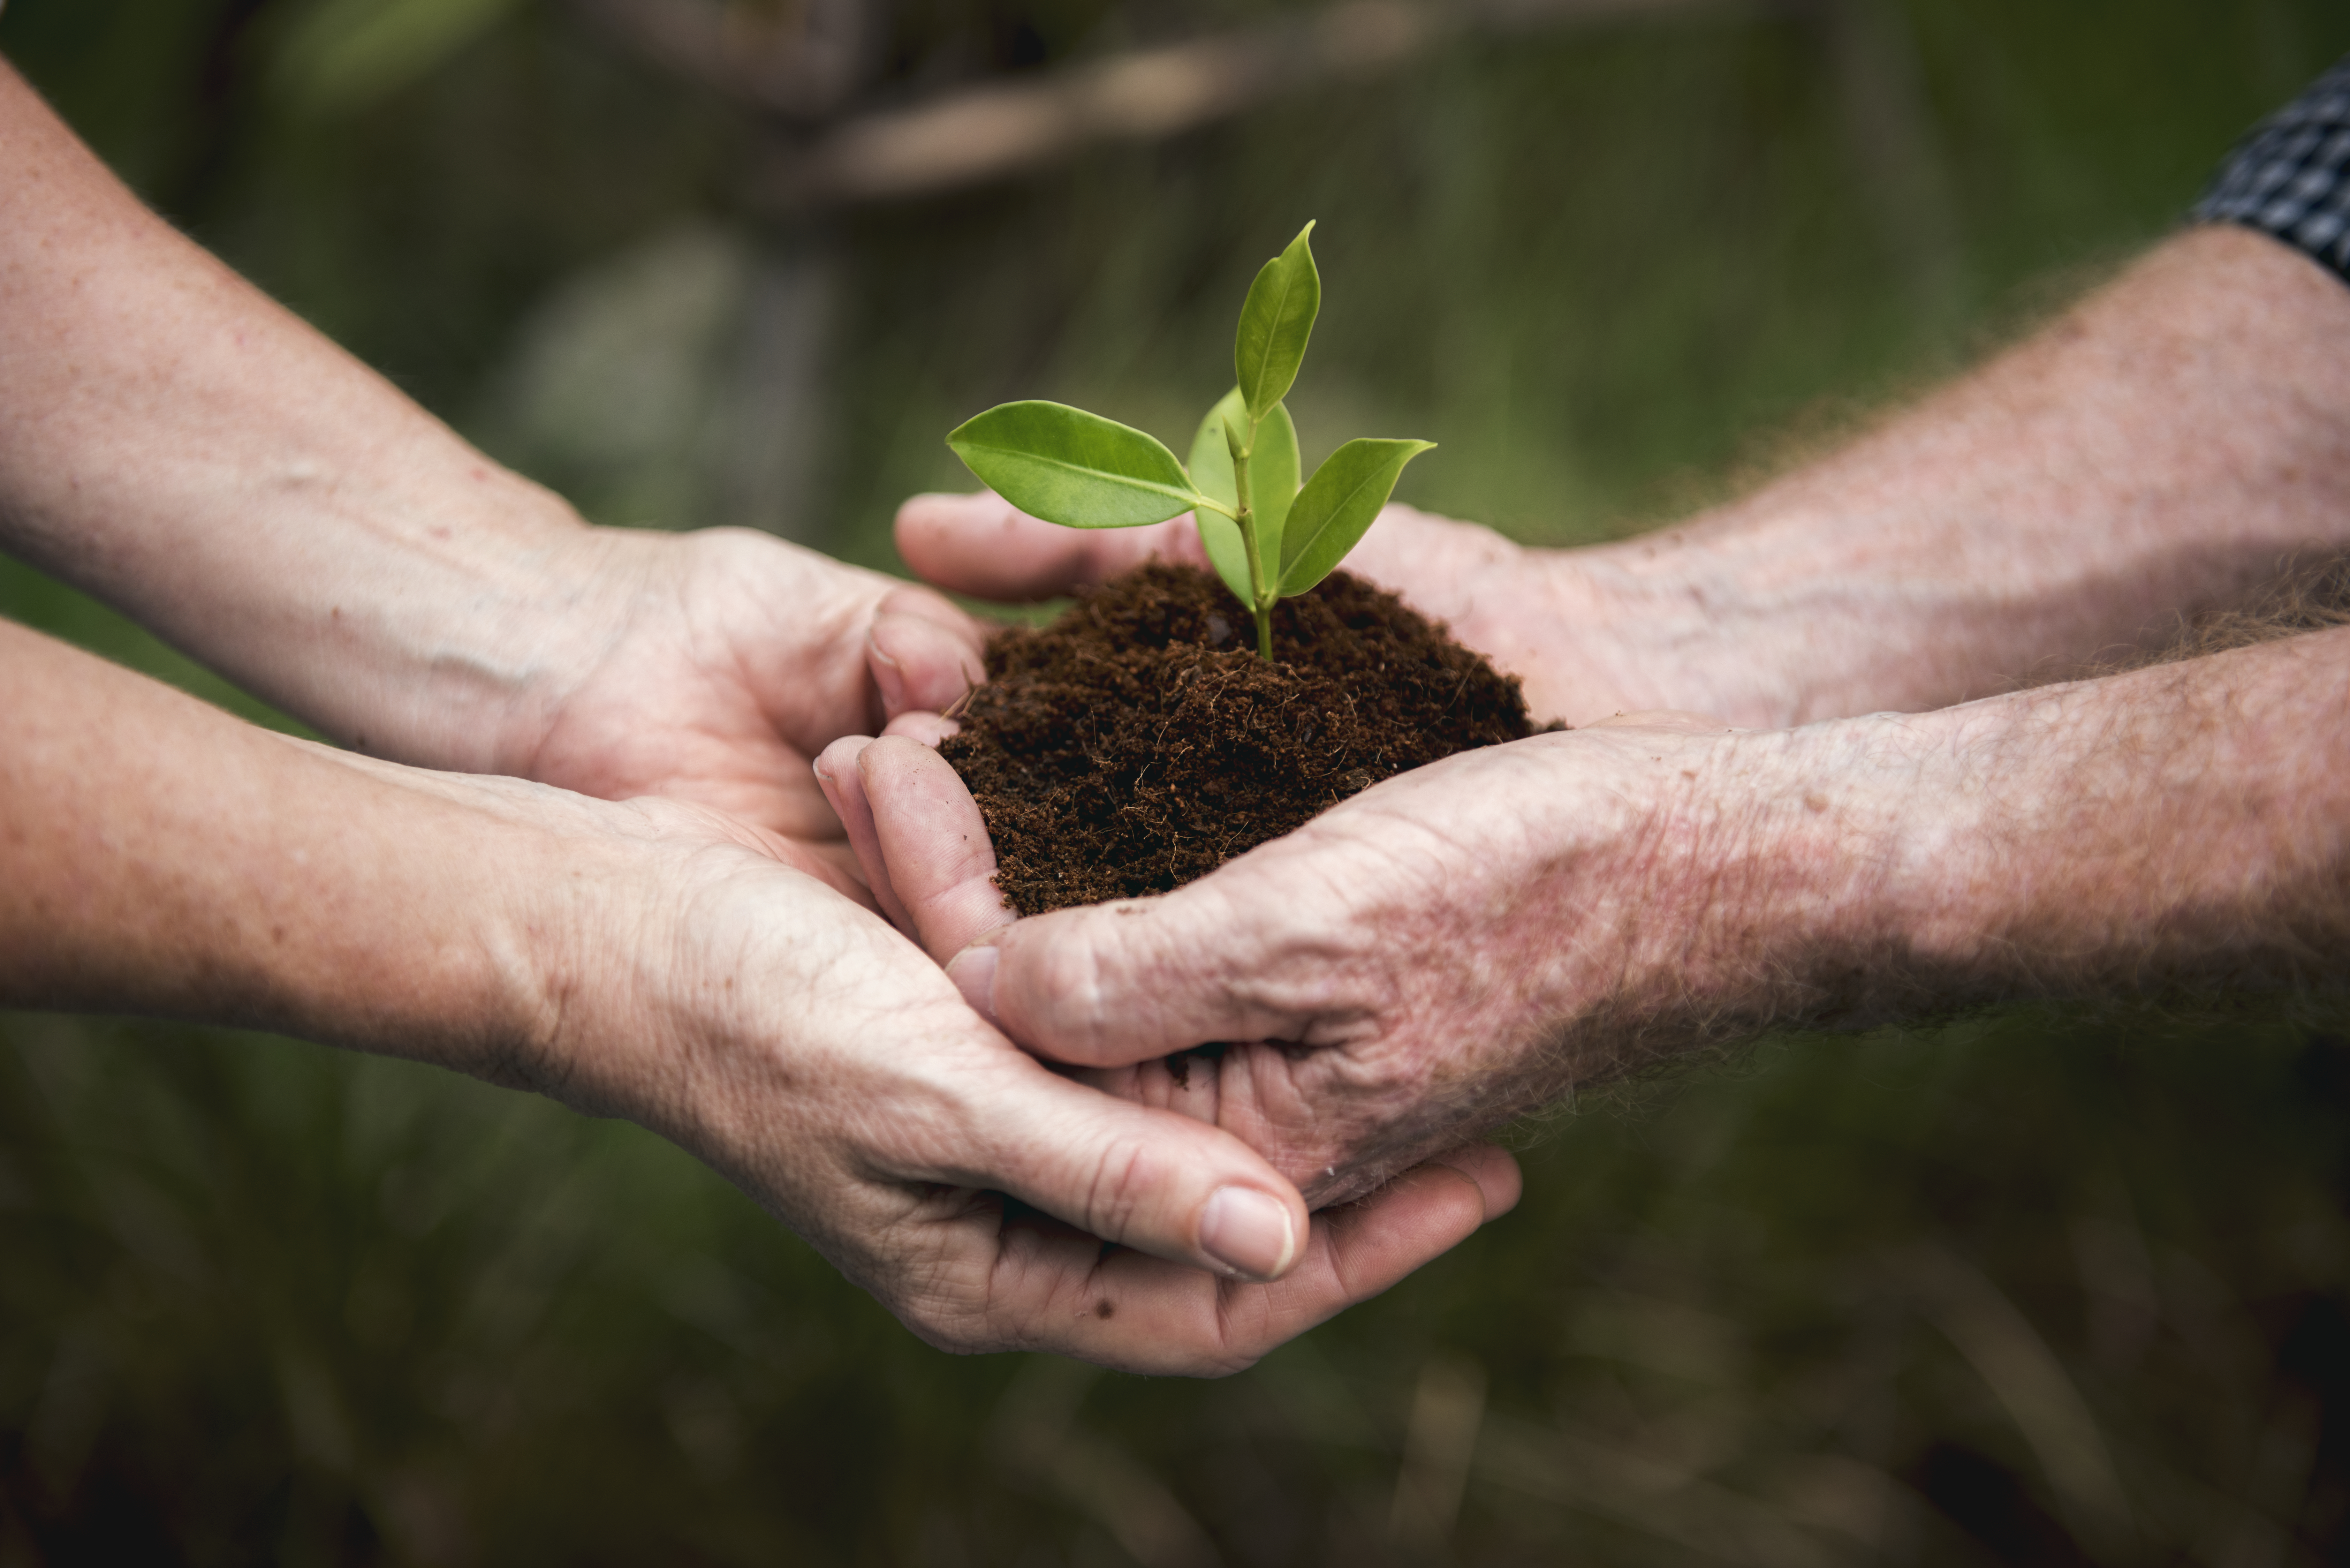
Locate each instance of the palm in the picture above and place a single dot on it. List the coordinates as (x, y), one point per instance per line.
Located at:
(903, 1163)
(732, 660)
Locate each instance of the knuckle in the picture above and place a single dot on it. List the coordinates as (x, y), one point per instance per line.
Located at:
(1121, 1179)
(1066, 977)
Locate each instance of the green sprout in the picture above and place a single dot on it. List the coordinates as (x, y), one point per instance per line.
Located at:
(1268, 537)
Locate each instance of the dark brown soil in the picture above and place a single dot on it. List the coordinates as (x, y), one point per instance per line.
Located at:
(1139, 743)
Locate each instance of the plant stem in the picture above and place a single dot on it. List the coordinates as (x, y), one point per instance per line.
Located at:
(1260, 601)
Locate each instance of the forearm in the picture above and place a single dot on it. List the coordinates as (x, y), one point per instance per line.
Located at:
(160, 858)
(175, 443)
(2183, 827)
(2179, 830)
(2165, 447)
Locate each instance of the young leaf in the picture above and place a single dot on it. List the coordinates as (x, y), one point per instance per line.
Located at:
(1273, 481)
(1071, 467)
(1273, 485)
(1337, 505)
(1211, 472)
(1275, 321)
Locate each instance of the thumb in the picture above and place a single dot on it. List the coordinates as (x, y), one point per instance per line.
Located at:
(1108, 985)
(1155, 1181)
(983, 546)
(923, 653)
(930, 838)
(844, 788)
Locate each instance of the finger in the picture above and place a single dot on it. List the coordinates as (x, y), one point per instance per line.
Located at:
(1159, 1182)
(1128, 1310)
(982, 544)
(1495, 1171)
(921, 659)
(930, 729)
(844, 787)
(1108, 985)
(934, 842)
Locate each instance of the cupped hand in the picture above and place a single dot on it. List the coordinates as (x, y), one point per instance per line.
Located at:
(1583, 634)
(727, 999)
(711, 667)
(1451, 948)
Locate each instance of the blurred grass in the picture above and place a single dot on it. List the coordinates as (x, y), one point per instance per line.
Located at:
(2050, 1285)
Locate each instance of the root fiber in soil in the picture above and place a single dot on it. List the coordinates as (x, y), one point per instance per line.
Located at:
(1139, 743)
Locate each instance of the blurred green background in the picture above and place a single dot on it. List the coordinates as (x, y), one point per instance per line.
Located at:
(2045, 1286)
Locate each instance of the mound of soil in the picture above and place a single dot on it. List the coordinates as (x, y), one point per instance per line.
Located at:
(1139, 743)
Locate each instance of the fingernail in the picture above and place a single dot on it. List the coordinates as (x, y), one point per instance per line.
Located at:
(888, 673)
(973, 973)
(1248, 1232)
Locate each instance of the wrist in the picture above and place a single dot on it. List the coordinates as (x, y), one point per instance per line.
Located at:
(1760, 878)
(474, 623)
(1774, 862)
(413, 914)
(1666, 621)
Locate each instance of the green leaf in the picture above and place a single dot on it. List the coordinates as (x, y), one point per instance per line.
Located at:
(1073, 467)
(1273, 481)
(1337, 505)
(1276, 319)
(1211, 472)
(1273, 485)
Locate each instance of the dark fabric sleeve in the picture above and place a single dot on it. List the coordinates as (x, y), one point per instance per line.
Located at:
(2291, 177)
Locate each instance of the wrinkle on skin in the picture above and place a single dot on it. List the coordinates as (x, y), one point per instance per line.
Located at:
(695, 695)
(648, 958)
(934, 843)
(1344, 1066)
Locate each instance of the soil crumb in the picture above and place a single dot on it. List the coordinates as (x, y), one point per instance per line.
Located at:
(1137, 742)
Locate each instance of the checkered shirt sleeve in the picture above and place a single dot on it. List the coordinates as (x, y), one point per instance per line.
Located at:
(2291, 177)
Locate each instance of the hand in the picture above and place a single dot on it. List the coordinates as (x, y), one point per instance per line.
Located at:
(1588, 636)
(2156, 453)
(181, 447)
(659, 962)
(1445, 951)
(823, 1064)
(1471, 939)
(712, 667)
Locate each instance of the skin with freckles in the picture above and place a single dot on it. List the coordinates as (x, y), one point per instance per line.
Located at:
(698, 958)
(696, 974)
(1470, 941)
(181, 447)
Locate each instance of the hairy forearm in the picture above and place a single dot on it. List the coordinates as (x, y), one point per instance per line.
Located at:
(159, 858)
(2168, 444)
(2182, 829)
(175, 443)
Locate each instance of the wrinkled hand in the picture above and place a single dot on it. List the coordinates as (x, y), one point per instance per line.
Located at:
(712, 667)
(1449, 950)
(1589, 639)
(827, 1067)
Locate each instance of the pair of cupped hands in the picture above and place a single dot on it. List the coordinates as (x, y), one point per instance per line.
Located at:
(975, 1116)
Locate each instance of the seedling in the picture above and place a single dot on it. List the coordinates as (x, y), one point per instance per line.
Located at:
(1268, 538)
